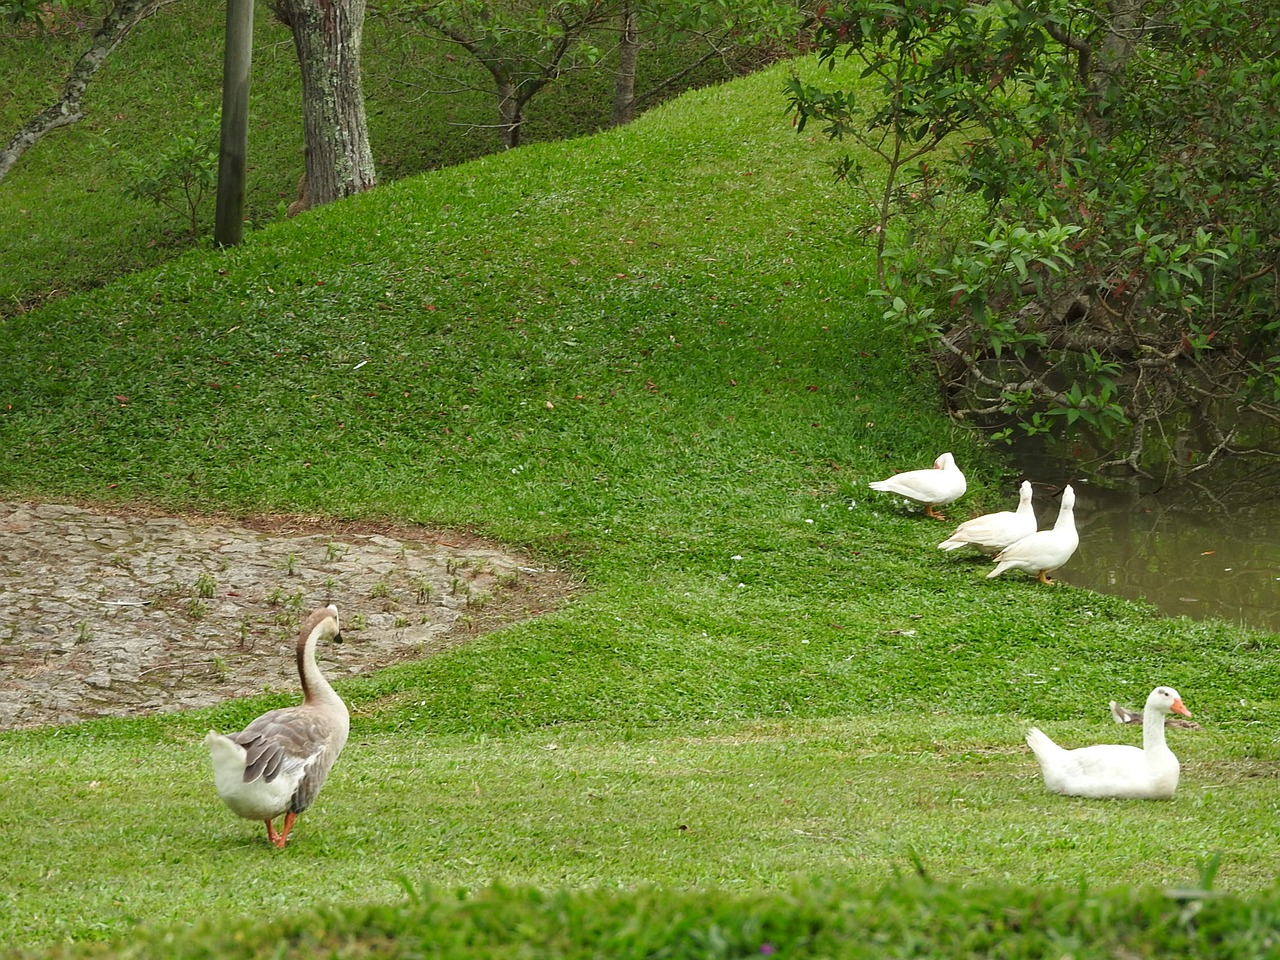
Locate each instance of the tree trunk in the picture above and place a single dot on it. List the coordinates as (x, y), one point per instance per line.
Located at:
(327, 36)
(624, 81)
(510, 112)
(123, 17)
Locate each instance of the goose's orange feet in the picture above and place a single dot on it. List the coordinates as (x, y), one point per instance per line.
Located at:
(290, 817)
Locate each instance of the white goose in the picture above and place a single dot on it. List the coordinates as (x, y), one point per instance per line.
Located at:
(992, 532)
(1116, 770)
(943, 483)
(1043, 552)
(278, 763)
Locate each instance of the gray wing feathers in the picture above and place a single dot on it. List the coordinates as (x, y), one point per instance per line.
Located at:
(295, 742)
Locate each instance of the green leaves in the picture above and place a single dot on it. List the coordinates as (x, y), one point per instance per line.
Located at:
(1132, 189)
(181, 176)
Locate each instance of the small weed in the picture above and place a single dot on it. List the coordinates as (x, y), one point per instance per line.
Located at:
(197, 609)
(275, 596)
(380, 591)
(205, 586)
(83, 633)
(220, 668)
(335, 552)
(400, 622)
(355, 622)
(424, 589)
(330, 585)
(291, 565)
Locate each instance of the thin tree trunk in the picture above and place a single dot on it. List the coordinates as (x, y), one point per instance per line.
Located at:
(624, 81)
(510, 112)
(68, 109)
(327, 35)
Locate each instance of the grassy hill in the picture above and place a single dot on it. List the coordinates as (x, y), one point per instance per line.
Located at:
(66, 223)
(646, 356)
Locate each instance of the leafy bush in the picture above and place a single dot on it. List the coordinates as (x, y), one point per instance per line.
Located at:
(182, 176)
(1125, 158)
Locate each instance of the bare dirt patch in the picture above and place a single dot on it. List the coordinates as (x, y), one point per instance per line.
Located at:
(127, 612)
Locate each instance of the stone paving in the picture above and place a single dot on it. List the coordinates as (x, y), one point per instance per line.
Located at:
(129, 612)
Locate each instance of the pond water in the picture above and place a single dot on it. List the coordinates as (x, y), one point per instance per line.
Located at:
(1204, 549)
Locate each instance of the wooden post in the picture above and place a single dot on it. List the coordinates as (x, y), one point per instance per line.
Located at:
(233, 152)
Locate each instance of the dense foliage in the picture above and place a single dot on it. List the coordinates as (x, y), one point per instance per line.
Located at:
(1121, 270)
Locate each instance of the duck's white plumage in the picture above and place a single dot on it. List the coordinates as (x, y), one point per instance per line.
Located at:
(1043, 552)
(277, 764)
(992, 532)
(942, 483)
(1116, 770)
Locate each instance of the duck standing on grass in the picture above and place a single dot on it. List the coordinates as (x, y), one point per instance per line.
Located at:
(943, 483)
(1046, 551)
(1116, 770)
(277, 764)
(992, 532)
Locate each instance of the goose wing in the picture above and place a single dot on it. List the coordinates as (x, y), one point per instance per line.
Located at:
(295, 743)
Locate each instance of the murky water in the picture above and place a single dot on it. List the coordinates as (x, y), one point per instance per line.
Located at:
(1207, 550)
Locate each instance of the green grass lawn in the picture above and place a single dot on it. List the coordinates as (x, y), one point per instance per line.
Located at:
(648, 357)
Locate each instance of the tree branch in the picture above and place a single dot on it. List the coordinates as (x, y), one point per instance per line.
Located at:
(68, 109)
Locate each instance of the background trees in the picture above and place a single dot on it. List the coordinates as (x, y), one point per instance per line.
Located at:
(525, 45)
(1114, 266)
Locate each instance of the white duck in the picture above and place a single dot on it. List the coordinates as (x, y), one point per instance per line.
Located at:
(1116, 770)
(943, 483)
(992, 532)
(278, 763)
(1043, 552)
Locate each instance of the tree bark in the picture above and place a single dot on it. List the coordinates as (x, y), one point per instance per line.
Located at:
(510, 111)
(327, 35)
(624, 81)
(68, 109)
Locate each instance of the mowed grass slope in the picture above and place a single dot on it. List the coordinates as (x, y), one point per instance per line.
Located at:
(67, 223)
(647, 357)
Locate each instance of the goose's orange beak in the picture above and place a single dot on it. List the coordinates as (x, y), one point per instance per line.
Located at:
(1179, 707)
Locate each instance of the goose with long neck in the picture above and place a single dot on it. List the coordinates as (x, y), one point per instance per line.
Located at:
(1044, 552)
(1116, 770)
(277, 764)
(992, 532)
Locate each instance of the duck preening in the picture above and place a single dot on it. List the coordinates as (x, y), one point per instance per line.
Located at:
(942, 483)
(1043, 552)
(992, 532)
(277, 764)
(1116, 770)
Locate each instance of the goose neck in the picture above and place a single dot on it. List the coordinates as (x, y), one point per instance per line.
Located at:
(315, 688)
(1152, 730)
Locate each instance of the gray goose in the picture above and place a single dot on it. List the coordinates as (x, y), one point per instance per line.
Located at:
(277, 764)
